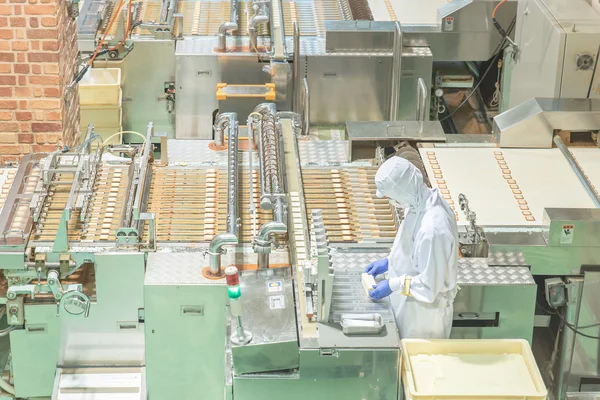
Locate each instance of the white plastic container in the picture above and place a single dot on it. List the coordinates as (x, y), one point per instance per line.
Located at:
(100, 86)
(101, 116)
(470, 369)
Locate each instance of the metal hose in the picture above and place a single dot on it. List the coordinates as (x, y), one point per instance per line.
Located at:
(231, 236)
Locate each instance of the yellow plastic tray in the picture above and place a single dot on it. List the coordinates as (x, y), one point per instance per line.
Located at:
(464, 388)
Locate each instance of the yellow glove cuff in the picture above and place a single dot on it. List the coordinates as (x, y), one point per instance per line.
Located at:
(406, 289)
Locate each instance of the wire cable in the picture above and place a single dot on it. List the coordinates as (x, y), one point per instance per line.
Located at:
(127, 29)
(497, 52)
(570, 326)
(593, 73)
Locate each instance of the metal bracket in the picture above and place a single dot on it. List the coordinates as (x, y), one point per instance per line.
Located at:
(127, 237)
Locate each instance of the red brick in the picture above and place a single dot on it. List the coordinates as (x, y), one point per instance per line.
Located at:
(53, 137)
(44, 148)
(4, 44)
(20, 46)
(6, 10)
(25, 127)
(21, 57)
(6, 92)
(44, 80)
(22, 104)
(34, 22)
(42, 33)
(53, 116)
(10, 148)
(22, 80)
(6, 116)
(50, 45)
(26, 137)
(38, 92)
(19, 33)
(21, 68)
(51, 69)
(22, 92)
(35, 45)
(7, 57)
(18, 1)
(6, 34)
(19, 22)
(5, 68)
(17, 10)
(36, 69)
(8, 105)
(51, 92)
(9, 127)
(40, 10)
(44, 105)
(8, 80)
(42, 57)
(3, 22)
(24, 116)
(48, 22)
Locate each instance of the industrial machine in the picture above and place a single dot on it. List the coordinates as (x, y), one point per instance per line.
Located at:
(218, 254)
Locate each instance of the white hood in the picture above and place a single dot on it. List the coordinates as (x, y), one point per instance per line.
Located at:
(400, 180)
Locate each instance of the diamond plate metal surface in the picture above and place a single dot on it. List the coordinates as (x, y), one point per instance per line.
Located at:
(168, 268)
(506, 258)
(197, 152)
(323, 151)
(471, 271)
(476, 271)
(181, 266)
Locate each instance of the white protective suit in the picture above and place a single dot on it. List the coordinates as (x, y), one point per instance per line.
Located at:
(425, 249)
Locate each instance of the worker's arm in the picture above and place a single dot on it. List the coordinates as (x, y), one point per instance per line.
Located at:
(433, 253)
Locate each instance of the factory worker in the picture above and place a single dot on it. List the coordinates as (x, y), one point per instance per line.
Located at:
(423, 263)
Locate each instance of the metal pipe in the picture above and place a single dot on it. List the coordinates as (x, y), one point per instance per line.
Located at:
(223, 121)
(253, 23)
(421, 99)
(582, 178)
(296, 65)
(306, 107)
(228, 26)
(231, 236)
(266, 108)
(265, 233)
(396, 73)
(278, 49)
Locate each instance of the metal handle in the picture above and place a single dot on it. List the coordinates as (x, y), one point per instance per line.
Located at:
(306, 107)
(421, 99)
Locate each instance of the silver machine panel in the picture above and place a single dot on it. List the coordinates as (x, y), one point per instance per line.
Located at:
(557, 41)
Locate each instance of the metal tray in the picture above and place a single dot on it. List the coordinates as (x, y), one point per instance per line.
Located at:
(361, 324)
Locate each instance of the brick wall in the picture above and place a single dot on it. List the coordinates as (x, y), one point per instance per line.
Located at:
(38, 58)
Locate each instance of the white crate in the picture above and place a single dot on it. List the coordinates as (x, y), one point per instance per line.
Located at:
(100, 86)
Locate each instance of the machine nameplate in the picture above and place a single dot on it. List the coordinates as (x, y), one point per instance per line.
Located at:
(566, 234)
(277, 302)
(274, 286)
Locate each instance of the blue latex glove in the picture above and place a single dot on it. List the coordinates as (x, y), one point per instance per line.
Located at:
(381, 290)
(377, 268)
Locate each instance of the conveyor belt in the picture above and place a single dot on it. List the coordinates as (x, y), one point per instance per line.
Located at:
(351, 211)
(7, 177)
(505, 186)
(104, 214)
(191, 204)
(203, 17)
